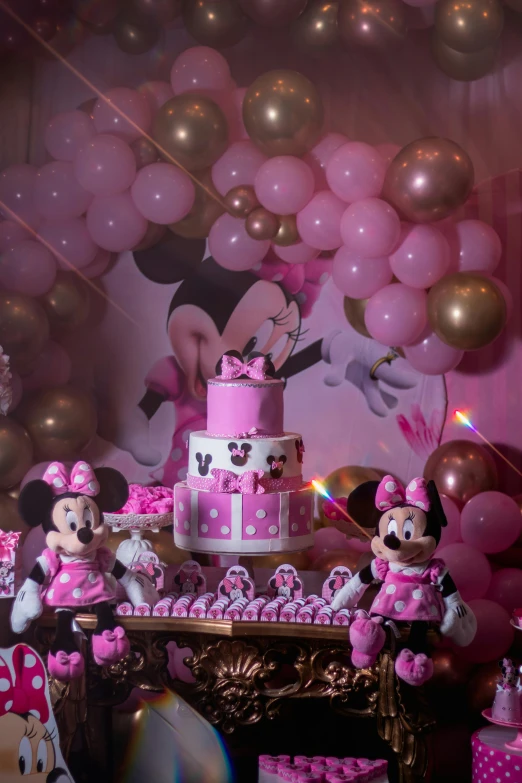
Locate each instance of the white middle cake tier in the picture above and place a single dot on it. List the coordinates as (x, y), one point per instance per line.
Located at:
(214, 460)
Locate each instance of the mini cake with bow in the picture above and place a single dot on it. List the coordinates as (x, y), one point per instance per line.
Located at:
(244, 492)
(74, 572)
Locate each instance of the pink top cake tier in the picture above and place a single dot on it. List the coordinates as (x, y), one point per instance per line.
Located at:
(241, 408)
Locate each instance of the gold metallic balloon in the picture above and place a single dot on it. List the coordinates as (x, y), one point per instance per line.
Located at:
(135, 33)
(262, 224)
(449, 670)
(192, 129)
(204, 213)
(373, 23)
(287, 233)
(162, 11)
(316, 29)
(463, 66)
(340, 484)
(241, 200)
(218, 24)
(299, 560)
(461, 469)
(482, 686)
(429, 179)
(61, 422)
(466, 310)
(24, 330)
(16, 453)
(273, 13)
(469, 25)
(67, 303)
(337, 557)
(516, 5)
(354, 310)
(145, 152)
(10, 519)
(283, 113)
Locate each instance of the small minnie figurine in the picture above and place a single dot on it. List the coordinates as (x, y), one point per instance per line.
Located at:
(415, 587)
(72, 573)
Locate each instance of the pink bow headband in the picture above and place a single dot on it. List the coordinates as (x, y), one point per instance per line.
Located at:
(25, 692)
(81, 479)
(391, 493)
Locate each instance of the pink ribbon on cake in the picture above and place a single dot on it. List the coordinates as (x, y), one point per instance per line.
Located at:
(285, 484)
(246, 483)
(232, 367)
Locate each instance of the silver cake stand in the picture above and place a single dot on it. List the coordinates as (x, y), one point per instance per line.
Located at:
(137, 524)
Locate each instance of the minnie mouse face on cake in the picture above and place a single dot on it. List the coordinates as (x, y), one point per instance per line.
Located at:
(203, 463)
(239, 453)
(276, 465)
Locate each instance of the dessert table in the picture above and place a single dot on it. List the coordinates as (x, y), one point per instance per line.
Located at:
(236, 666)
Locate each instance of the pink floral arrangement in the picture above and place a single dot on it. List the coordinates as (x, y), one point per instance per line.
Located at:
(148, 500)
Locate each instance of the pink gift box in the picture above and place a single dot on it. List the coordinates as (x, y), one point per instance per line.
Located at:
(9, 563)
(342, 617)
(125, 609)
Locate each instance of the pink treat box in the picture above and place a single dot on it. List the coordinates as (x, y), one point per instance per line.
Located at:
(333, 760)
(252, 613)
(269, 763)
(198, 611)
(10, 563)
(324, 616)
(320, 767)
(310, 777)
(339, 576)
(182, 606)
(269, 614)
(142, 610)
(309, 759)
(288, 772)
(342, 617)
(288, 613)
(341, 777)
(125, 609)
(306, 614)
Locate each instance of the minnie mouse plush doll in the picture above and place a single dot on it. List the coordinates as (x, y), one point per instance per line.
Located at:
(415, 587)
(72, 573)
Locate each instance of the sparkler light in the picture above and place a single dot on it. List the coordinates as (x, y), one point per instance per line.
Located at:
(321, 489)
(463, 419)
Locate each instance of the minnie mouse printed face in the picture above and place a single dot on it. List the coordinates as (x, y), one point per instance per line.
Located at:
(276, 465)
(203, 463)
(215, 310)
(236, 583)
(338, 580)
(239, 454)
(6, 568)
(188, 583)
(285, 582)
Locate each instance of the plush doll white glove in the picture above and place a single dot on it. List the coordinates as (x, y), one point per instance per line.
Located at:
(27, 606)
(139, 588)
(459, 623)
(350, 594)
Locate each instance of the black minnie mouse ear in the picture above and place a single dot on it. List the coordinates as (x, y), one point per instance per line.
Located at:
(436, 505)
(171, 260)
(361, 505)
(269, 367)
(235, 354)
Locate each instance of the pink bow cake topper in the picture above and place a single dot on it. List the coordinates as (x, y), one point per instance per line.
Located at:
(247, 483)
(391, 493)
(232, 367)
(81, 479)
(25, 693)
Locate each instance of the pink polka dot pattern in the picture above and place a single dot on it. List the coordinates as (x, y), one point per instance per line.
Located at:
(492, 764)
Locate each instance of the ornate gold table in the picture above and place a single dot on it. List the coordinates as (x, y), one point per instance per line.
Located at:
(237, 668)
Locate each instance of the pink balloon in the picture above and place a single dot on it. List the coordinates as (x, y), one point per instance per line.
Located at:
(70, 242)
(17, 194)
(67, 133)
(106, 165)
(123, 112)
(430, 356)
(491, 522)
(371, 228)
(11, 233)
(163, 193)
(238, 96)
(300, 253)
(506, 293)
(319, 223)
(506, 588)
(326, 539)
(156, 93)
(422, 256)
(396, 315)
(388, 151)
(469, 569)
(237, 166)
(284, 185)
(52, 368)
(356, 171)
(114, 222)
(28, 268)
(451, 533)
(232, 247)
(98, 265)
(200, 68)
(57, 193)
(319, 157)
(37, 471)
(357, 277)
(479, 245)
(494, 634)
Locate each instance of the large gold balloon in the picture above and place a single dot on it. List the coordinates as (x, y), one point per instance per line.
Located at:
(354, 311)
(273, 13)
(262, 224)
(466, 310)
(191, 129)
(461, 469)
(163, 11)
(204, 213)
(10, 519)
(316, 29)
(340, 484)
(61, 421)
(429, 179)
(469, 25)
(287, 233)
(374, 23)
(24, 330)
(283, 113)
(463, 66)
(218, 24)
(67, 303)
(135, 33)
(16, 453)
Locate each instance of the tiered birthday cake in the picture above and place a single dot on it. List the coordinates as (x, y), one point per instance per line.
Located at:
(244, 492)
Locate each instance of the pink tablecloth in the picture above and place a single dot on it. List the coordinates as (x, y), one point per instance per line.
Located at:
(491, 762)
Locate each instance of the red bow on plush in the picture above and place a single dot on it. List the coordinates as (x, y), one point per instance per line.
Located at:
(26, 693)
(232, 367)
(286, 580)
(231, 583)
(191, 576)
(247, 483)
